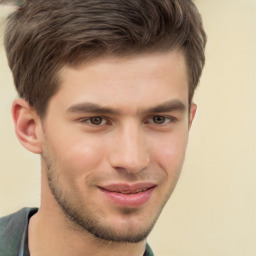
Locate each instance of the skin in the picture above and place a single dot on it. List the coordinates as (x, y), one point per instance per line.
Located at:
(140, 136)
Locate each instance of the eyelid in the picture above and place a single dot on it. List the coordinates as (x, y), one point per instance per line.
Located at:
(88, 120)
(171, 119)
(148, 120)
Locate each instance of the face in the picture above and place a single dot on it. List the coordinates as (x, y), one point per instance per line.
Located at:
(114, 141)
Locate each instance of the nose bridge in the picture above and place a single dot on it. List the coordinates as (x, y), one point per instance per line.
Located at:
(130, 152)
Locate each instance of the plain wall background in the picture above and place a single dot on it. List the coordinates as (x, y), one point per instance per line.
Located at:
(212, 211)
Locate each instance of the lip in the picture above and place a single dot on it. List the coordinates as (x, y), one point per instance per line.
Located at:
(128, 195)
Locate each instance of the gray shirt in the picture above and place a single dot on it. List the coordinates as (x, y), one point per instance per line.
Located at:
(14, 234)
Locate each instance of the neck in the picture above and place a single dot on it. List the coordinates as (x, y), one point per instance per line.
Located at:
(49, 235)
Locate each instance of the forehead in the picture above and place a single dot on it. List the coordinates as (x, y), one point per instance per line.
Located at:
(137, 81)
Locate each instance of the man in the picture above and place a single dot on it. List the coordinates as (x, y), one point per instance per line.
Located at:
(106, 89)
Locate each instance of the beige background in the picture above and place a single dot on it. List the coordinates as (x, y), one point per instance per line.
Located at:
(212, 211)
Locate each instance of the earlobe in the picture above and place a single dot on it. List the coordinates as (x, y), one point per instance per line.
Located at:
(27, 126)
(193, 109)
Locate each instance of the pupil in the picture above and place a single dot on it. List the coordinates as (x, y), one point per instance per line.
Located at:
(96, 120)
(159, 119)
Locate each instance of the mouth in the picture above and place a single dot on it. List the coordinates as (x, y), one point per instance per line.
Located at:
(134, 195)
(132, 192)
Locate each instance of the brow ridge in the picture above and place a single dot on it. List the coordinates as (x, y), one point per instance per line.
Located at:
(89, 107)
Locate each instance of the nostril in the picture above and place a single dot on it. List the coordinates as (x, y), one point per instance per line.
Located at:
(130, 165)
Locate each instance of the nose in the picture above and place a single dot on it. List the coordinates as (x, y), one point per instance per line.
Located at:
(129, 150)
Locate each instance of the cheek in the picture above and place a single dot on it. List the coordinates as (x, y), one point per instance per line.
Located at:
(170, 152)
(77, 156)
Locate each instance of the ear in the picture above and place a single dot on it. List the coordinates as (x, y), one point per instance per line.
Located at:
(193, 109)
(28, 127)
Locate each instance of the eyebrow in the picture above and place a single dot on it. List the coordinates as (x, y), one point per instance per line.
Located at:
(169, 106)
(88, 107)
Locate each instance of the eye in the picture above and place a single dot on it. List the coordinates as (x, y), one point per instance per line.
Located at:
(161, 120)
(95, 120)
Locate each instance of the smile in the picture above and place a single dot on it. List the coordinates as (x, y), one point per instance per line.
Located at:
(131, 193)
(128, 195)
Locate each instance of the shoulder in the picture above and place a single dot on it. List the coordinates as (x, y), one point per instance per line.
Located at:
(15, 220)
(11, 230)
(148, 251)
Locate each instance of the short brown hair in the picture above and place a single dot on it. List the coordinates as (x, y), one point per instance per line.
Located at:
(42, 36)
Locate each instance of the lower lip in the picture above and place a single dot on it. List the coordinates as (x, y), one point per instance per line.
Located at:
(129, 200)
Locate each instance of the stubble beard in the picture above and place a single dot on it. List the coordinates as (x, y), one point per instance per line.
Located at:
(83, 218)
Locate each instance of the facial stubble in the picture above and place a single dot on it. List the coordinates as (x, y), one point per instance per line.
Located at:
(83, 217)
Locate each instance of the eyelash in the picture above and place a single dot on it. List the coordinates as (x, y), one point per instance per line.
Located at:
(89, 119)
(167, 120)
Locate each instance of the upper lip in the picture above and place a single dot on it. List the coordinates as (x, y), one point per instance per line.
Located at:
(126, 188)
